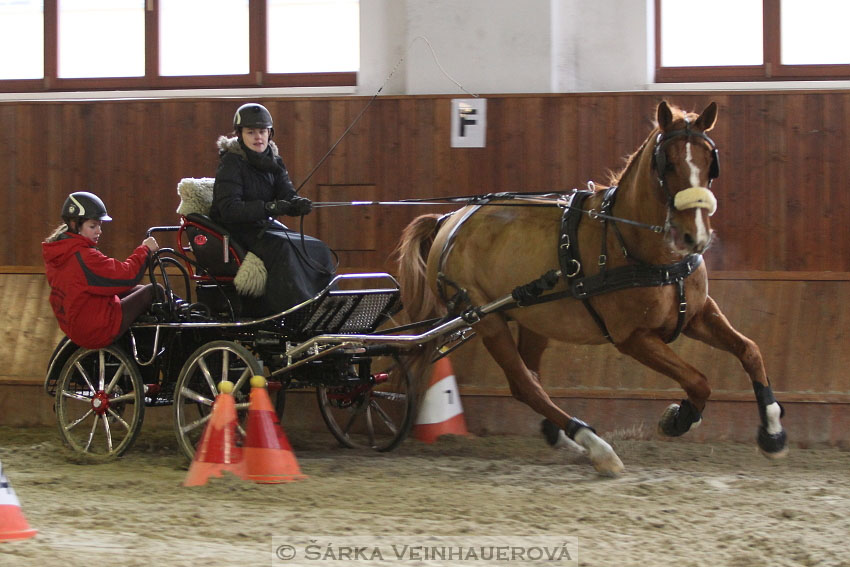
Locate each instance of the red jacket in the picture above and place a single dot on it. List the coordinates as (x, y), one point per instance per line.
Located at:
(84, 286)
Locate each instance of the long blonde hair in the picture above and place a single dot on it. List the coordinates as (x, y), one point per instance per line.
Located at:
(59, 231)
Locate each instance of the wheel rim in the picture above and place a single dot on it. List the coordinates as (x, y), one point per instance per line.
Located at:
(100, 402)
(376, 414)
(197, 387)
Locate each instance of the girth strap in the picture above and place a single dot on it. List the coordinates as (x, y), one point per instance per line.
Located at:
(634, 275)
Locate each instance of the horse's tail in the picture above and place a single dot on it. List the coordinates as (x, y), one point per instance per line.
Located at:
(411, 254)
(419, 302)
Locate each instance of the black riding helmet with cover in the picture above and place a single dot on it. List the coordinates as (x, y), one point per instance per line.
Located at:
(83, 205)
(253, 115)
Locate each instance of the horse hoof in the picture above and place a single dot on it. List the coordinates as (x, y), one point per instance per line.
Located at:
(772, 445)
(676, 421)
(550, 431)
(608, 465)
(557, 439)
(601, 454)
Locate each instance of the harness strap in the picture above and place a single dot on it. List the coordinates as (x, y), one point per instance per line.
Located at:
(634, 275)
(624, 277)
(568, 254)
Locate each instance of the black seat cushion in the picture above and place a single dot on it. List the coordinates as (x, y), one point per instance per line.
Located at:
(207, 240)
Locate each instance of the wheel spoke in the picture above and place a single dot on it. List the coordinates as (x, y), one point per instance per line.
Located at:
(355, 411)
(118, 418)
(91, 436)
(246, 375)
(101, 374)
(128, 397)
(202, 364)
(108, 431)
(385, 418)
(118, 374)
(191, 426)
(78, 421)
(390, 396)
(225, 364)
(196, 397)
(78, 397)
(85, 376)
(370, 427)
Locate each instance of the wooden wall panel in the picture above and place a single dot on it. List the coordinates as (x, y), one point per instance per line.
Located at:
(783, 197)
(782, 159)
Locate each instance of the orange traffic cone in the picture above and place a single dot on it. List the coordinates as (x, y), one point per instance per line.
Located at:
(441, 412)
(13, 525)
(217, 451)
(268, 455)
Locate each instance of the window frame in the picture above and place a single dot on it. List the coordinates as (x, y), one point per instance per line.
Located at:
(256, 76)
(771, 69)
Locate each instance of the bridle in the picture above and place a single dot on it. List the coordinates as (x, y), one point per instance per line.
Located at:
(659, 158)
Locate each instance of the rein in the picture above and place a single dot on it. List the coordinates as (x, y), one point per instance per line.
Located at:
(562, 201)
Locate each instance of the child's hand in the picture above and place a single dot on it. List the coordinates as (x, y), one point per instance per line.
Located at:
(150, 242)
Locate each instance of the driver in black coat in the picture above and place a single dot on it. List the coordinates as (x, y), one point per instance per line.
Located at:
(252, 186)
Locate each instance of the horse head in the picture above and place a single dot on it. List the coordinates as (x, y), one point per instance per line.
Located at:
(685, 163)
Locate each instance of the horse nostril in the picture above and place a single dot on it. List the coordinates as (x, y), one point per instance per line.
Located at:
(689, 240)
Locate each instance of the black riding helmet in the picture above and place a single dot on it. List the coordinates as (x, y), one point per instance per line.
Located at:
(84, 205)
(253, 115)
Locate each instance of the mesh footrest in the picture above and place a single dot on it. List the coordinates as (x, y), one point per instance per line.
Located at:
(343, 312)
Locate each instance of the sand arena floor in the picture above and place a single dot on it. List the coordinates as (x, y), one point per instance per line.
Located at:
(678, 502)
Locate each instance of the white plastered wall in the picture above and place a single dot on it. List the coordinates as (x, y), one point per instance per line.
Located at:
(504, 46)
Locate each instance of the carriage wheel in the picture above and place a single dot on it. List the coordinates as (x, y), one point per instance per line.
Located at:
(375, 415)
(100, 402)
(197, 387)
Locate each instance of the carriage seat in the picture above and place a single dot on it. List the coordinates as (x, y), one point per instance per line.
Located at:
(212, 245)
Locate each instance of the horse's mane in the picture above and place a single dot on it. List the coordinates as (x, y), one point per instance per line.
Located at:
(614, 177)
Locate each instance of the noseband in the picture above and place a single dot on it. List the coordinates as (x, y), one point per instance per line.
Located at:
(695, 196)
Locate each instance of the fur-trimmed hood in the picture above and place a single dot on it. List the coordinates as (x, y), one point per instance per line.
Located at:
(231, 145)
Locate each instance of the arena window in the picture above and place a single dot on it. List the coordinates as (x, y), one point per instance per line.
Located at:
(63, 45)
(751, 40)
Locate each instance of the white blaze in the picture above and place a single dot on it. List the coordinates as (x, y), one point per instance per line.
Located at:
(702, 235)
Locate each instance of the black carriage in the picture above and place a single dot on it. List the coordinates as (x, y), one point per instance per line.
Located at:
(178, 355)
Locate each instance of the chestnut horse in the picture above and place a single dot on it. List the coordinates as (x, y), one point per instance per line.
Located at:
(652, 285)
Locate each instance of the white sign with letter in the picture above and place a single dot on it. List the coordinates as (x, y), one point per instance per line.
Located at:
(469, 122)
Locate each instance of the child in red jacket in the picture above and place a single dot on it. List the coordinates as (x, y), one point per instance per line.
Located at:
(95, 298)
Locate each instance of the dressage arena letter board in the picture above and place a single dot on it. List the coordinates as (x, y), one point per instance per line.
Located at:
(469, 122)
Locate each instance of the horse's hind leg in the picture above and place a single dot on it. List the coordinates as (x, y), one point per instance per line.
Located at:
(711, 327)
(525, 386)
(531, 346)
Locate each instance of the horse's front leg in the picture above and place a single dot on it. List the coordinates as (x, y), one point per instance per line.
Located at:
(526, 387)
(712, 327)
(647, 348)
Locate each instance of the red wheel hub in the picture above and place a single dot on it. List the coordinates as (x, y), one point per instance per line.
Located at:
(100, 402)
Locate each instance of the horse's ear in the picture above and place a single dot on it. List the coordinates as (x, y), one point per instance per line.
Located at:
(706, 120)
(664, 116)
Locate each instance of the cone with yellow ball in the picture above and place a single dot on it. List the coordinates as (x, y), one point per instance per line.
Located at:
(217, 451)
(268, 455)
